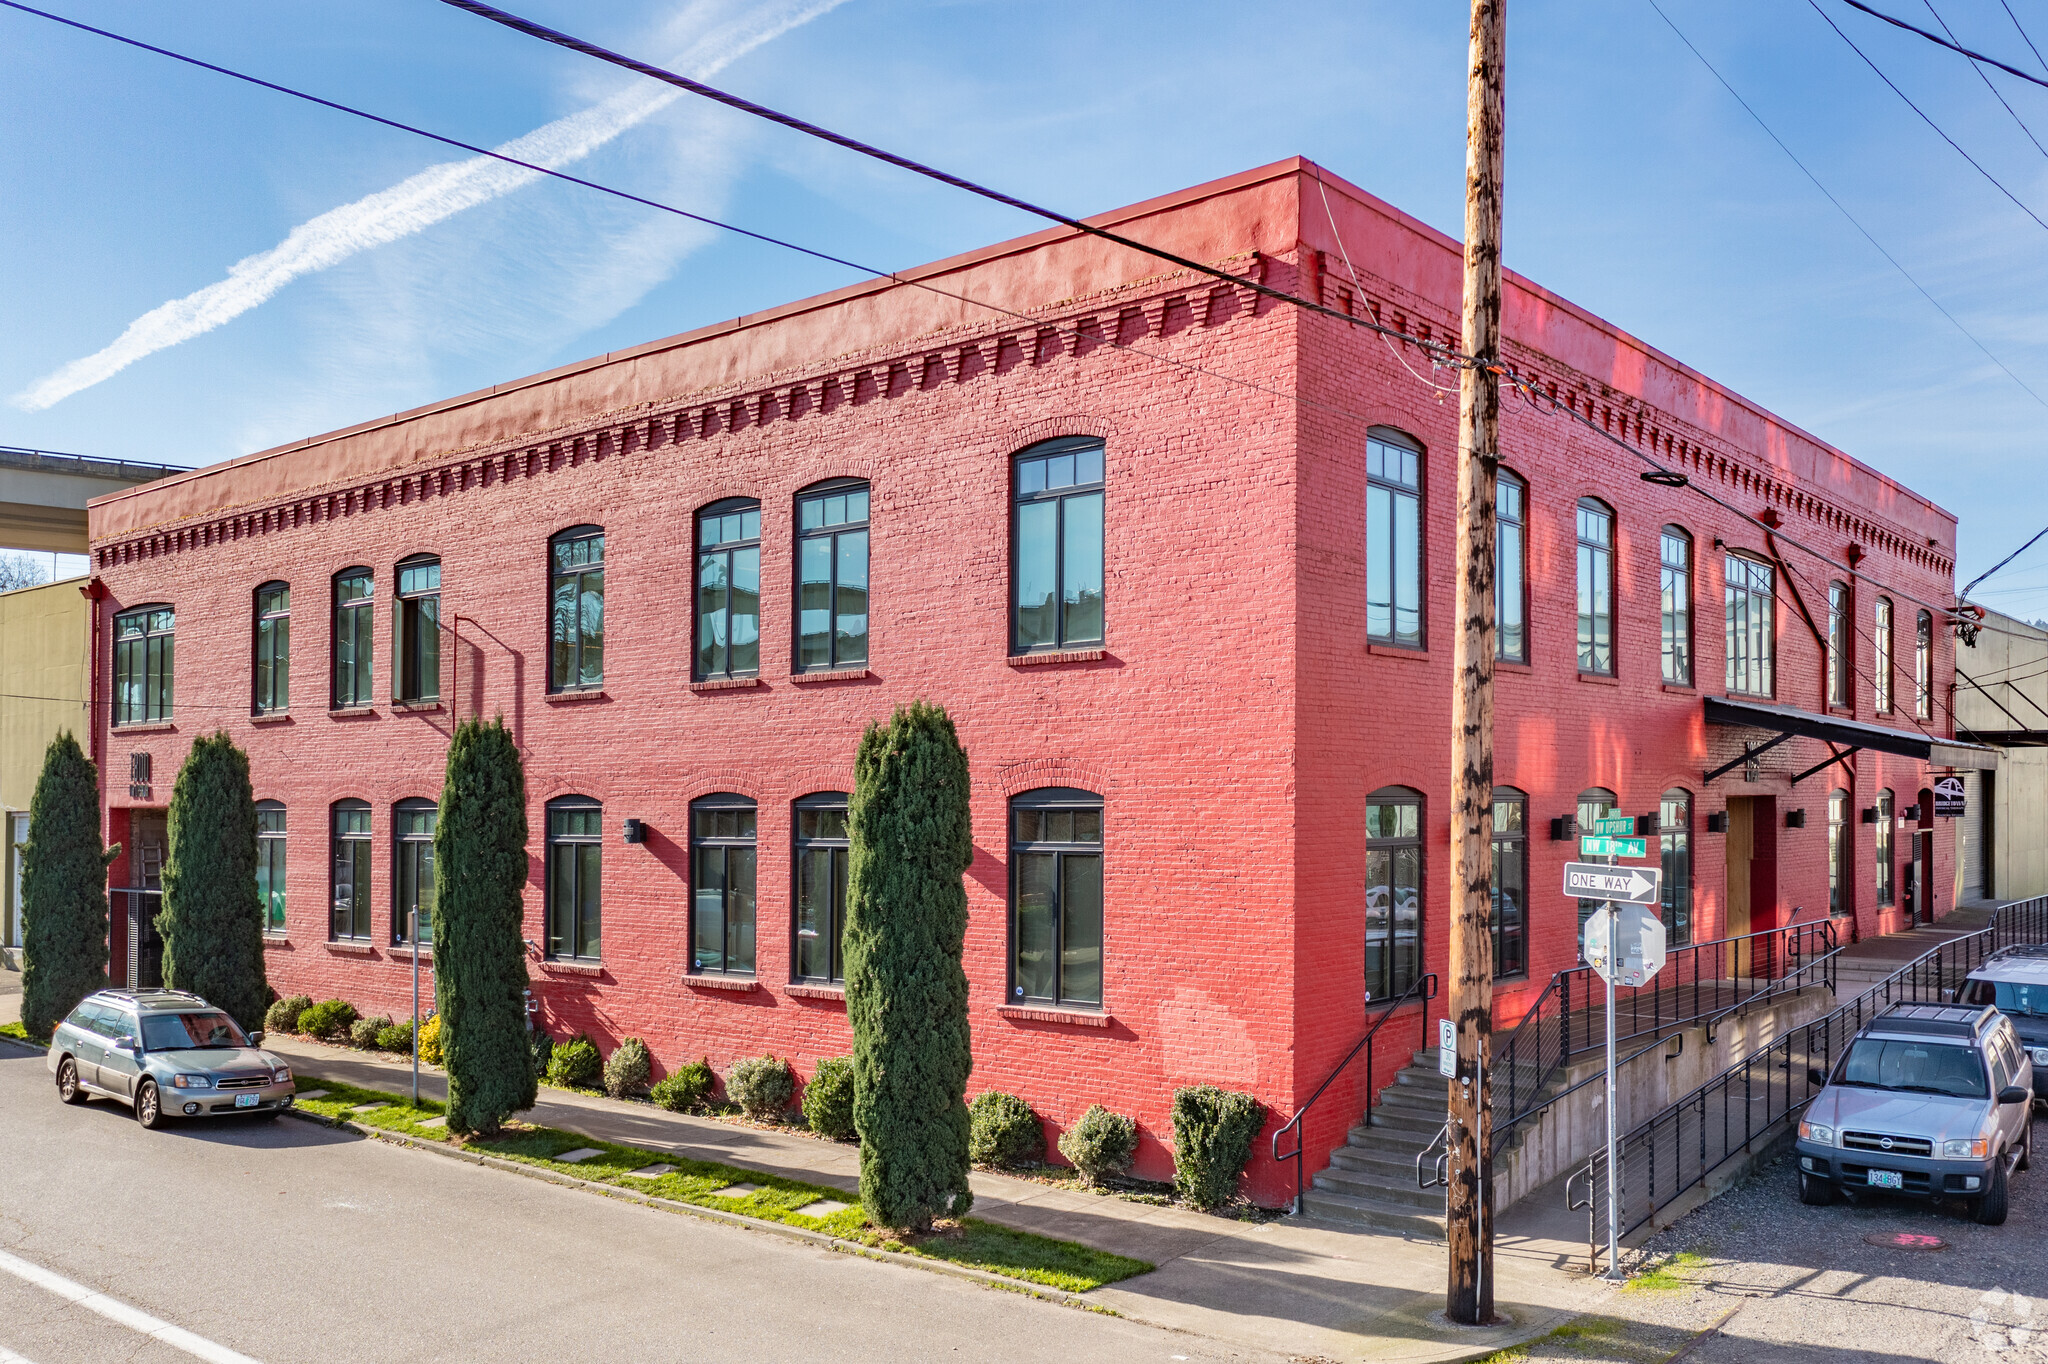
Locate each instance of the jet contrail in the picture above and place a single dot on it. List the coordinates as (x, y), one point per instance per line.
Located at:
(412, 205)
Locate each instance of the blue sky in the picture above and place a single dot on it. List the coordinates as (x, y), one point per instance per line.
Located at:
(1635, 186)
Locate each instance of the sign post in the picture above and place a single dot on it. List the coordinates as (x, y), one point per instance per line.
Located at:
(412, 929)
(1624, 946)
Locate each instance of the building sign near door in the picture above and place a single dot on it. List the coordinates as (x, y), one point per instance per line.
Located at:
(1948, 798)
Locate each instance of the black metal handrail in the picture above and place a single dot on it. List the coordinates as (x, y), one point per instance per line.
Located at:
(1424, 989)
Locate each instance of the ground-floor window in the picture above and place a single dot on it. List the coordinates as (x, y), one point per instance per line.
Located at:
(722, 857)
(1510, 882)
(575, 893)
(1838, 852)
(351, 869)
(1056, 897)
(821, 850)
(414, 856)
(1886, 814)
(1595, 804)
(1393, 891)
(1674, 843)
(270, 863)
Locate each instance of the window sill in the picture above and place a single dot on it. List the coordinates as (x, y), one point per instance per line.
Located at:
(1503, 665)
(350, 948)
(1054, 1015)
(415, 707)
(1680, 689)
(727, 684)
(1600, 679)
(577, 697)
(350, 712)
(1057, 656)
(276, 940)
(271, 717)
(153, 727)
(802, 991)
(711, 982)
(572, 968)
(425, 954)
(1397, 651)
(831, 675)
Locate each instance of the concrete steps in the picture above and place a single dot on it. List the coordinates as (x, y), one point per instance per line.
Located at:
(1370, 1181)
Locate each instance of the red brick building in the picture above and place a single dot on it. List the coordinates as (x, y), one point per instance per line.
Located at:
(1177, 559)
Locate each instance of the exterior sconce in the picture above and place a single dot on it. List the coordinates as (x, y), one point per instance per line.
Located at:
(1647, 826)
(1911, 814)
(1717, 822)
(1564, 828)
(636, 831)
(1870, 814)
(1795, 819)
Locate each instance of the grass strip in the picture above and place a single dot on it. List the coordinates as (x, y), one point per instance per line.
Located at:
(17, 1032)
(975, 1243)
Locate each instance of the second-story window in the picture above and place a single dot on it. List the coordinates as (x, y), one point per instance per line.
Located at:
(722, 856)
(1056, 897)
(1510, 882)
(1596, 587)
(576, 609)
(1752, 625)
(1057, 546)
(1923, 666)
(1393, 539)
(273, 648)
(270, 863)
(575, 889)
(143, 665)
(1838, 644)
(821, 852)
(416, 671)
(353, 605)
(1881, 657)
(729, 590)
(832, 577)
(1511, 568)
(351, 884)
(413, 825)
(1674, 604)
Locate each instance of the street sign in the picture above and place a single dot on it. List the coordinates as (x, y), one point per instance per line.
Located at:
(1614, 824)
(1625, 945)
(1948, 798)
(1628, 885)
(1601, 846)
(1446, 1047)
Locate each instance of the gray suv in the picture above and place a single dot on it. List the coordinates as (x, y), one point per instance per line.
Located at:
(165, 1052)
(2015, 982)
(1929, 1099)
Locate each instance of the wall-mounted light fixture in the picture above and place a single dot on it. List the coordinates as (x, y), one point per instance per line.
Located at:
(1795, 819)
(1717, 822)
(1564, 828)
(1870, 814)
(636, 832)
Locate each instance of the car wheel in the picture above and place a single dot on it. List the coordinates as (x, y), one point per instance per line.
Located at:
(1815, 1193)
(149, 1109)
(68, 1088)
(1990, 1209)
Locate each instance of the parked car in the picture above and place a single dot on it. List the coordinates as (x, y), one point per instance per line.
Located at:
(2015, 982)
(1929, 1099)
(165, 1052)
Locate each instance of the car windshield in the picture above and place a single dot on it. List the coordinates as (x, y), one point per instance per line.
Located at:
(2008, 996)
(181, 1032)
(1916, 1067)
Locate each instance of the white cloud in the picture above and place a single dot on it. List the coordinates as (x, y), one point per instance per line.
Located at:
(709, 38)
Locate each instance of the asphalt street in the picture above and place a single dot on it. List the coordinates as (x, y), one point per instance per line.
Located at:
(288, 1241)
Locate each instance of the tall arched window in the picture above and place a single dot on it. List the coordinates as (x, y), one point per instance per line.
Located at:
(1594, 804)
(722, 857)
(1751, 614)
(575, 872)
(821, 853)
(1596, 587)
(1674, 846)
(1881, 657)
(273, 648)
(1393, 538)
(351, 880)
(832, 576)
(353, 608)
(1839, 900)
(270, 863)
(576, 609)
(412, 826)
(144, 665)
(1923, 666)
(1511, 568)
(1393, 891)
(1510, 882)
(729, 590)
(1674, 603)
(416, 671)
(1056, 545)
(1838, 644)
(1887, 823)
(1056, 897)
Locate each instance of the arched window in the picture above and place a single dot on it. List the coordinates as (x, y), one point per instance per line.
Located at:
(1839, 899)
(832, 576)
(1393, 891)
(1056, 546)
(1887, 823)
(1594, 804)
(1511, 568)
(353, 608)
(1923, 666)
(270, 863)
(1510, 882)
(576, 609)
(1674, 603)
(1674, 844)
(351, 881)
(821, 849)
(728, 590)
(722, 856)
(1596, 587)
(1056, 897)
(143, 665)
(1838, 644)
(575, 888)
(1393, 538)
(273, 649)
(416, 672)
(1881, 659)
(1750, 611)
(412, 825)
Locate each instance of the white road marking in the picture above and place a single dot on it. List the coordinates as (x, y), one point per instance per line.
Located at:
(134, 1318)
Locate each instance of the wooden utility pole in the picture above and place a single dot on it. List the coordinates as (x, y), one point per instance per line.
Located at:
(1469, 1197)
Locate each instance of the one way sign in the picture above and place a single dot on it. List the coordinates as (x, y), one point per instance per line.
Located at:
(1623, 885)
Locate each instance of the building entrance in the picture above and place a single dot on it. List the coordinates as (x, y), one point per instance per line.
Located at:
(1752, 857)
(144, 896)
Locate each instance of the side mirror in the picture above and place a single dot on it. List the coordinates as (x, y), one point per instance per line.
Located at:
(126, 1044)
(1816, 1076)
(256, 1038)
(2013, 1094)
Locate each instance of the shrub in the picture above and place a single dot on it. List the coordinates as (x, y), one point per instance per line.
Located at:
(283, 1016)
(63, 889)
(762, 1086)
(430, 1041)
(686, 1088)
(626, 1070)
(1003, 1131)
(330, 1018)
(540, 1047)
(828, 1098)
(576, 1064)
(364, 1031)
(397, 1037)
(211, 919)
(1101, 1144)
(1213, 1130)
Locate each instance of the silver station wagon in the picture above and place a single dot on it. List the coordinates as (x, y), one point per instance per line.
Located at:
(165, 1053)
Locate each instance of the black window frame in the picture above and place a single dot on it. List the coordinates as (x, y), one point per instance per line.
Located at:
(416, 633)
(412, 851)
(1043, 801)
(838, 852)
(1510, 845)
(725, 845)
(1841, 852)
(1595, 802)
(353, 618)
(575, 576)
(1511, 559)
(1840, 657)
(728, 550)
(360, 845)
(831, 534)
(271, 668)
(1590, 616)
(1758, 583)
(1391, 981)
(1884, 854)
(155, 646)
(272, 861)
(1675, 858)
(1923, 666)
(1079, 447)
(1675, 605)
(560, 843)
(1884, 645)
(1395, 489)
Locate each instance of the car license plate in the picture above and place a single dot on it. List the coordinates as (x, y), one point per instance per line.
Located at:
(1887, 1179)
(251, 1100)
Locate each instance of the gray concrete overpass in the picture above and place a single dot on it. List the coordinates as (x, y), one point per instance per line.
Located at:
(43, 495)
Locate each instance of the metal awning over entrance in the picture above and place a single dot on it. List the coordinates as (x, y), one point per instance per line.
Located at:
(1850, 735)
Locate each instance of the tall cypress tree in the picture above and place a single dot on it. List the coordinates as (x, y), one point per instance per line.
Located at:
(906, 991)
(63, 889)
(479, 914)
(212, 920)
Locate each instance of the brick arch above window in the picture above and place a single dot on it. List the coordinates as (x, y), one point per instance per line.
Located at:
(701, 782)
(1031, 773)
(1052, 428)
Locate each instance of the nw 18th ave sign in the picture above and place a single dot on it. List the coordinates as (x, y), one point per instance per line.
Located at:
(1623, 885)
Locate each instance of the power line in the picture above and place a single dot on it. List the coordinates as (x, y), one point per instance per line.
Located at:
(1948, 42)
(1965, 593)
(2023, 34)
(1995, 92)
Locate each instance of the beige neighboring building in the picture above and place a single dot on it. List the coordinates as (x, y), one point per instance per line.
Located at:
(2001, 698)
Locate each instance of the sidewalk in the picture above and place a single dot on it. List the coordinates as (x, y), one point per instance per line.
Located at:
(1295, 1286)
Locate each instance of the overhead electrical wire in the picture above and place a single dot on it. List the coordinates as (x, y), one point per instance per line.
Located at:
(2031, 542)
(1948, 42)
(2024, 35)
(1996, 93)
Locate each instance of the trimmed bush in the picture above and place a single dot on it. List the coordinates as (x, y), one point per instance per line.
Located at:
(1213, 1130)
(576, 1064)
(283, 1016)
(480, 980)
(626, 1070)
(1102, 1144)
(828, 1098)
(397, 1037)
(329, 1019)
(1003, 1131)
(430, 1041)
(63, 889)
(762, 1086)
(686, 1088)
(541, 1048)
(364, 1031)
(906, 992)
(211, 918)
